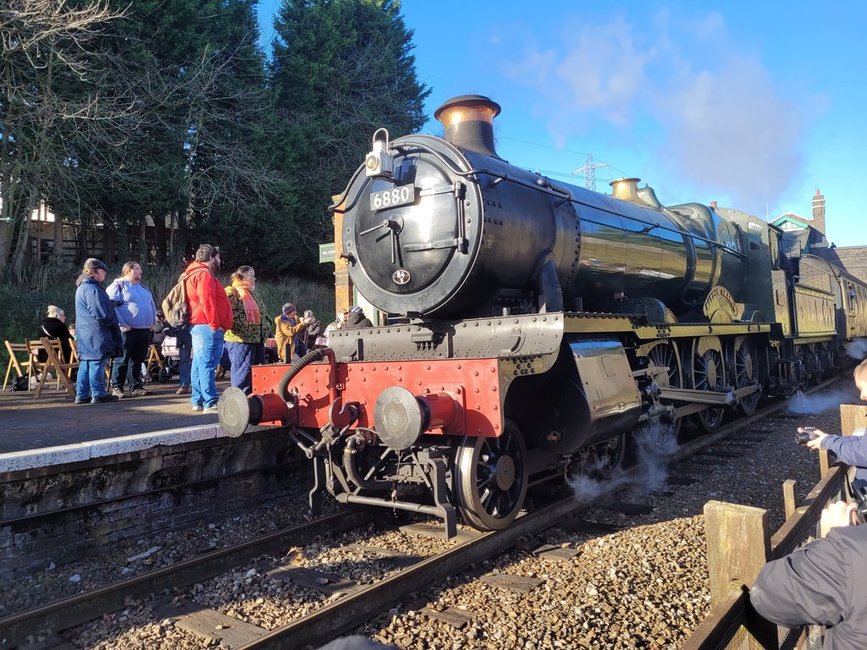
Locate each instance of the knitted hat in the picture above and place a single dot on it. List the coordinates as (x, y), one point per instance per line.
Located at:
(356, 310)
(288, 308)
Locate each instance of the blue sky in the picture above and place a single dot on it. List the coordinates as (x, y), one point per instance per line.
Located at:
(752, 104)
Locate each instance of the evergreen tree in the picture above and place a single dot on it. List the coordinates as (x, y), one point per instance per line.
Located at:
(196, 157)
(340, 70)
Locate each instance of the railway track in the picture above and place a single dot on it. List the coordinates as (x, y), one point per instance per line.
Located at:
(350, 605)
(69, 612)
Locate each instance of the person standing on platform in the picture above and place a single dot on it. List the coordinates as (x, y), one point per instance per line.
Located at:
(185, 357)
(245, 342)
(335, 325)
(821, 583)
(97, 333)
(356, 318)
(136, 314)
(313, 336)
(287, 328)
(210, 318)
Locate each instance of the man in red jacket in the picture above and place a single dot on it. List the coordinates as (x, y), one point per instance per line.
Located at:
(210, 317)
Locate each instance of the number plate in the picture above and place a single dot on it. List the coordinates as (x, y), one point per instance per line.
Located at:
(385, 199)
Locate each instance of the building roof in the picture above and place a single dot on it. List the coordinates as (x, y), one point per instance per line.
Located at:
(792, 218)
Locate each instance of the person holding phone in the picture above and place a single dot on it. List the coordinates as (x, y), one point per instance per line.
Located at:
(851, 450)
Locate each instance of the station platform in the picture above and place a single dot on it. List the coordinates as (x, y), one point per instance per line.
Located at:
(77, 479)
(52, 430)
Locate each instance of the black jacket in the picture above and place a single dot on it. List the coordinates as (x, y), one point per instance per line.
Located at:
(313, 331)
(822, 583)
(357, 319)
(54, 328)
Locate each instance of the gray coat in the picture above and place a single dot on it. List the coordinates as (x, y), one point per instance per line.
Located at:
(822, 583)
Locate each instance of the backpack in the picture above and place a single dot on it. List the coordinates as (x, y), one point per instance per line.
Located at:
(22, 383)
(176, 309)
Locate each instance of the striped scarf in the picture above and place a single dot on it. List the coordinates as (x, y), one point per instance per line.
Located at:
(251, 307)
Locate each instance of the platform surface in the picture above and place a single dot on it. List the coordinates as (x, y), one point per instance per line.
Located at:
(53, 421)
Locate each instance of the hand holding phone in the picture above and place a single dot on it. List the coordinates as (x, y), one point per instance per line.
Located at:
(805, 435)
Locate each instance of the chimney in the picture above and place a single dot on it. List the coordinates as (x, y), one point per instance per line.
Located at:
(625, 189)
(819, 212)
(468, 122)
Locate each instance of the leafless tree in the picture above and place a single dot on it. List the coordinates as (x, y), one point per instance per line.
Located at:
(43, 54)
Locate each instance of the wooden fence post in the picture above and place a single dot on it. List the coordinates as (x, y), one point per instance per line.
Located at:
(789, 503)
(852, 418)
(738, 546)
(824, 463)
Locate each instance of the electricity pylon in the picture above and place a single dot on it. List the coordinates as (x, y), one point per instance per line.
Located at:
(588, 169)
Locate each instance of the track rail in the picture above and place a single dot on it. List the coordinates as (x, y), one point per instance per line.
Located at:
(69, 612)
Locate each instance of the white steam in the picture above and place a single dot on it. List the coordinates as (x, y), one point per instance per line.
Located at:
(815, 404)
(857, 349)
(653, 443)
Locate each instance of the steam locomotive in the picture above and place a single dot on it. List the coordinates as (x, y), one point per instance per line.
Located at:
(534, 324)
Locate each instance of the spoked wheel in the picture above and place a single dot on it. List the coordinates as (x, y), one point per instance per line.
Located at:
(607, 457)
(826, 356)
(491, 478)
(707, 374)
(813, 365)
(747, 372)
(663, 354)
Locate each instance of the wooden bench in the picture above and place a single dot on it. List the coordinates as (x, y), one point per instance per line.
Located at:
(53, 364)
(154, 360)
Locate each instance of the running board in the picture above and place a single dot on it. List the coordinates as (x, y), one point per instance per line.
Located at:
(713, 398)
(698, 396)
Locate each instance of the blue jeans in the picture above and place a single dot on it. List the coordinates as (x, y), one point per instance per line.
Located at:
(243, 357)
(91, 378)
(207, 349)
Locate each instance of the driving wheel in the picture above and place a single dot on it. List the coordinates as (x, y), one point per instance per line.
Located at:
(491, 478)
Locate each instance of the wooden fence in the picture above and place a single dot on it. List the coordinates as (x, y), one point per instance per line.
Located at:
(739, 545)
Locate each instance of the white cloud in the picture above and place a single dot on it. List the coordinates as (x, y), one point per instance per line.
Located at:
(723, 123)
(598, 71)
(731, 128)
